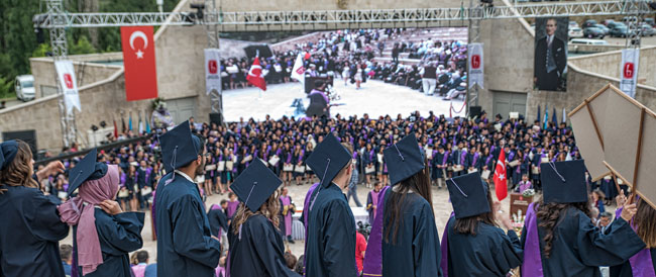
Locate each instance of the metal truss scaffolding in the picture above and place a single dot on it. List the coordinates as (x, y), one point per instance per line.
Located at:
(232, 21)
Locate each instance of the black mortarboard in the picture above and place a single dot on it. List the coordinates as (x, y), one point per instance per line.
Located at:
(404, 159)
(564, 182)
(179, 147)
(468, 195)
(328, 159)
(86, 170)
(255, 185)
(8, 151)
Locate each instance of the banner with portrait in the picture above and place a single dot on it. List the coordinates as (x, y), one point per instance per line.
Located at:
(550, 61)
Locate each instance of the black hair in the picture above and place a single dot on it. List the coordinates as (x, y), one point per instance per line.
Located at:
(142, 256)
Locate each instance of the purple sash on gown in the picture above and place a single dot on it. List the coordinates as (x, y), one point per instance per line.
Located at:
(444, 248)
(373, 258)
(286, 201)
(532, 266)
(642, 264)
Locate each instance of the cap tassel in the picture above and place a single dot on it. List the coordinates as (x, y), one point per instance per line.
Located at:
(247, 198)
(397, 150)
(76, 177)
(553, 166)
(320, 184)
(175, 155)
(458, 187)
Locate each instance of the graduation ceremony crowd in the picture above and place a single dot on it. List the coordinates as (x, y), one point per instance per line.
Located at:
(351, 55)
(101, 199)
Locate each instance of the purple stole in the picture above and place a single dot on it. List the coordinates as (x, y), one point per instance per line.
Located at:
(306, 211)
(642, 264)
(487, 161)
(373, 258)
(532, 266)
(444, 247)
(287, 218)
(232, 208)
(476, 155)
(462, 157)
(374, 202)
(446, 156)
(523, 186)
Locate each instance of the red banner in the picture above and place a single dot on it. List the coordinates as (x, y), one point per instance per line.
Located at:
(139, 62)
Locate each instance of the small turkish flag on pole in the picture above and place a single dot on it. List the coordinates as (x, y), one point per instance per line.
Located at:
(139, 62)
(500, 184)
(255, 77)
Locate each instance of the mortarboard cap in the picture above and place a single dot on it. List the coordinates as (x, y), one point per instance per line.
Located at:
(404, 159)
(87, 169)
(468, 195)
(255, 185)
(328, 159)
(8, 151)
(179, 147)
(564, 182)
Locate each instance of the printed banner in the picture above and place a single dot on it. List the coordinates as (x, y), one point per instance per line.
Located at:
(66, 75)
(476, 72)
(212, 70)
(629, 71)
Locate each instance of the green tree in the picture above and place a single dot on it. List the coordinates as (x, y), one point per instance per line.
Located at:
(83, 46)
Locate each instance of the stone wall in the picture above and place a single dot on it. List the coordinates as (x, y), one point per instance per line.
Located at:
(43, 70)
(608, 64)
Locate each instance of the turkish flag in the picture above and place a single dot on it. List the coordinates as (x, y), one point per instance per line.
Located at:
(255, 77)
(139, 62)
(500, 184)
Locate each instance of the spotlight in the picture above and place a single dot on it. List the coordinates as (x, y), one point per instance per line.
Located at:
(103, 124)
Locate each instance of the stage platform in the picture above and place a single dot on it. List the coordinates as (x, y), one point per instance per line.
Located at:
(374, 97)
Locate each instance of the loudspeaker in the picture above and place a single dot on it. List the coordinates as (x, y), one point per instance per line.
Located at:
(215, 118)
(29, 136)
(474, 111)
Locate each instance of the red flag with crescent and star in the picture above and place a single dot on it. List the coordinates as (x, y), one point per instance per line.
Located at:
(500, 181)
(255, 77)
(139, 62)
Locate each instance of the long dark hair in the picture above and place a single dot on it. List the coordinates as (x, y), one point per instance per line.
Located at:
(645, 224)
(469, 225)
(270, 209)
(551, 214)
(419, 183)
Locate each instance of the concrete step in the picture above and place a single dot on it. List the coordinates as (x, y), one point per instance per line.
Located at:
(404, 61)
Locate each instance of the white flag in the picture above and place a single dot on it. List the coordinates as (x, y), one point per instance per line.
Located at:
(298, 71)
(66, 74)
(629, 71)
(476, 65)
(564, 116)
(212, 70)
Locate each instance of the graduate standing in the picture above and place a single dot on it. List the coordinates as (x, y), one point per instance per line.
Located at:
(404, 239)
(330, 237)
(567, 243)
(185, 244)
(30, 229)
(474, 245)
(286, 212)
(103, 234)
(256, 247)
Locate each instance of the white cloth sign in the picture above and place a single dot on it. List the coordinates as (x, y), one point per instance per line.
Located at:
(629, 71)
(476, 73)
(212, 70)
(66, 75)
(298, 72)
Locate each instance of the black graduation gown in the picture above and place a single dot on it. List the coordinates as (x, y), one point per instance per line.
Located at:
(217, 220)
(260, 252)
(625, 270)
(331, 235)
(490, 253)
(184, 243)
(578, 248)
(416, 252)
(30, 231)
(118, 235)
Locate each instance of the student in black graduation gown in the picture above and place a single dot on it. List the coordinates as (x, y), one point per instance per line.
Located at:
(570, 244)
(474, 245)
(406, 234)
(218, 220)
(642, 264)
(30, 229)
(103, 234)
(185, 244)
(330, 244)
(256, 246)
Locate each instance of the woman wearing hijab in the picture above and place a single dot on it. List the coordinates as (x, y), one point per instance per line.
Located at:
(30, 229)
(103, 234)
(404, 240)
